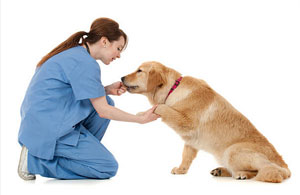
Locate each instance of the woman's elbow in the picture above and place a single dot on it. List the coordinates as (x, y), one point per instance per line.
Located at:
(103, 116)
(104, 113)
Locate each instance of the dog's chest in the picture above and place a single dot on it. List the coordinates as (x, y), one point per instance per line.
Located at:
(198, 140)
(201, 137)
(178, 95)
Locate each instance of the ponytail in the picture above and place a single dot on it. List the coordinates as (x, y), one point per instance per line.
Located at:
(72, 41)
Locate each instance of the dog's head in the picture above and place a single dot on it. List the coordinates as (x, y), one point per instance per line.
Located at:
(146, 79)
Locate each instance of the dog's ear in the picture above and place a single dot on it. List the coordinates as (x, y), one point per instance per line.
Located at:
(156, 78)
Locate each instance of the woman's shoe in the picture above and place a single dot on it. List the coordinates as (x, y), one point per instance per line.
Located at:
(22, 168)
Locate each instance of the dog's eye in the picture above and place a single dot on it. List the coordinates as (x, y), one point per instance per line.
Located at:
(139, 70)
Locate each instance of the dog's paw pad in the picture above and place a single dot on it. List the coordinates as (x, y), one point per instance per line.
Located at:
(216, 172)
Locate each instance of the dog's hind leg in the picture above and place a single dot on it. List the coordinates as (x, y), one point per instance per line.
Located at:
(223, 172)
(188, 155)
(272, 173)
(245, 162)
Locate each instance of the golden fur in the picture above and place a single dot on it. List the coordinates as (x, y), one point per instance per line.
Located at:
(206, 121)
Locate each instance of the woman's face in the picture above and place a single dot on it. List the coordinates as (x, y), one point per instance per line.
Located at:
(112, 50)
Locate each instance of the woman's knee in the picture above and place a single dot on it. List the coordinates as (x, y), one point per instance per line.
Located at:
(114, 169)
(107, 170)
(110, 101)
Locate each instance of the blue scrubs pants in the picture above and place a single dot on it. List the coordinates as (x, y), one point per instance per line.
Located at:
(88, 159)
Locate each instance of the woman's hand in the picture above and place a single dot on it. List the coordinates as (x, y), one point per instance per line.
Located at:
(116, 88)
(148, 116)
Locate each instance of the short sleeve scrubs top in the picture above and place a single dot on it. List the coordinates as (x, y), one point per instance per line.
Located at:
(57, 99)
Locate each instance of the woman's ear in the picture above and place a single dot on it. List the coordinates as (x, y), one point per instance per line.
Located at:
(104, 41)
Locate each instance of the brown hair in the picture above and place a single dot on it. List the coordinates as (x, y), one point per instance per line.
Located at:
(101, 27)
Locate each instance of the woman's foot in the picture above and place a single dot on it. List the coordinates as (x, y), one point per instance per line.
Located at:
(22, 168)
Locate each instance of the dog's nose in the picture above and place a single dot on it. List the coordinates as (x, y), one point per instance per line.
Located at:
(122, 79)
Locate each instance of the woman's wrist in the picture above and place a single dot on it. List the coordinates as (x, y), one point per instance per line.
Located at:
(107, 90)
(140, 120)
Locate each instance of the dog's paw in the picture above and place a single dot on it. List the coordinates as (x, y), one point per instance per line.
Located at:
(220, 172)
(160, 109)
(177, 170)
(242, 175)
(216, 172)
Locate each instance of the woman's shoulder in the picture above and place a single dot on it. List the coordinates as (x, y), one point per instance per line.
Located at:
(77, 52)
(74, 56)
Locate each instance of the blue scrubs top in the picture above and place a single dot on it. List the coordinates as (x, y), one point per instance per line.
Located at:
(57, 99)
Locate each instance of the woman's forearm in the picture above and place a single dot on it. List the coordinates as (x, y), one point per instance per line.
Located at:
(105, 110)
(113, 113)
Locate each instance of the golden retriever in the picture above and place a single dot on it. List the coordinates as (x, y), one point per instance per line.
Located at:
(206, 121)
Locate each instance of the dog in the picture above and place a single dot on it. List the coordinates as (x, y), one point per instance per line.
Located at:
(206, 121)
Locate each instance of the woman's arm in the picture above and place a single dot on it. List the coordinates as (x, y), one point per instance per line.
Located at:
(105, 110)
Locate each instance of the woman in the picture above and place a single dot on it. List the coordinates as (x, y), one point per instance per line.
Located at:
(66, 110)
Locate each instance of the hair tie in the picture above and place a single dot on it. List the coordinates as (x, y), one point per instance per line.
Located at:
(85, 35)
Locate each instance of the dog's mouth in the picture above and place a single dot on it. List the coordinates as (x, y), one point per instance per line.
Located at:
(131, 87)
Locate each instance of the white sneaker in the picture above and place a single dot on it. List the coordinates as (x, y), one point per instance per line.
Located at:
(22, 168)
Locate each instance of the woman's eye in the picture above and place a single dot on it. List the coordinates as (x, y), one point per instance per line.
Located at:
(139, 70)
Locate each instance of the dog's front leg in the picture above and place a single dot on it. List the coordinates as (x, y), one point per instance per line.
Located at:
(178, 121)
(188, 155)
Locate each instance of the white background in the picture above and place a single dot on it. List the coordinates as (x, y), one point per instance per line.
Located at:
(248, 51)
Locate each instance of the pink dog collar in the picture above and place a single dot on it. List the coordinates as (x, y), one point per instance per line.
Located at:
(177, 82)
